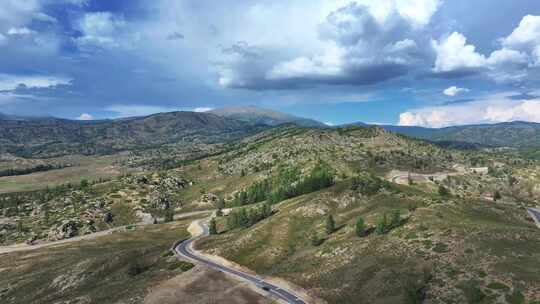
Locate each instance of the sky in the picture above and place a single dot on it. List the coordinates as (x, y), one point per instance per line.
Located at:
(431, 63)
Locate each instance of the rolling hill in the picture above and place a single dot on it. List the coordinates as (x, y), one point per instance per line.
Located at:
(515, 134)
(47, 137)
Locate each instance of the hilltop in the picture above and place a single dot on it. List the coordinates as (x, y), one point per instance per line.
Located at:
(256, 115)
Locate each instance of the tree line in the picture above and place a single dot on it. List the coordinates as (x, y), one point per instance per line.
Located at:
(247, 217)
(24, 171)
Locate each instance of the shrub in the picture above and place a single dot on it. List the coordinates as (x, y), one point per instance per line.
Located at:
(367, 184)
(473, 294)
(516, 297)
(443, 191)
(135, 269)
(212, 227)
(330, 224)
(316, 240)
(498, 286)
(360, 227)
(440, 248)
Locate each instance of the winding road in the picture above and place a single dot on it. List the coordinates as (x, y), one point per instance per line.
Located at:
(185, 249)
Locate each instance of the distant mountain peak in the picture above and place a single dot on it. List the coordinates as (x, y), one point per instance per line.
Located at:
(256, 115)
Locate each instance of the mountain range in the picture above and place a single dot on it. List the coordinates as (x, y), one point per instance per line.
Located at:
(49, 136)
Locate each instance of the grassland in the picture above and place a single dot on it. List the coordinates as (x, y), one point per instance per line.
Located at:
(83, 167)
(118, 268)
(451, 246)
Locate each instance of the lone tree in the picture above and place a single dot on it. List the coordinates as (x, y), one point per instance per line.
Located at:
(212, 227)
(360, 227)
(169, 215)
(330, 224)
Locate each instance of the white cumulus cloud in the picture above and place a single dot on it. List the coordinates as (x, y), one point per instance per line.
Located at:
(20, 31)
(490, 109)
(526, 34)
(453, 91)
(202, 109)
(85, 116)
(454, 54)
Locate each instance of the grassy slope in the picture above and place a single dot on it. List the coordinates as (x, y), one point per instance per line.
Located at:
(440, 247)
(450, 248)
(92, 271)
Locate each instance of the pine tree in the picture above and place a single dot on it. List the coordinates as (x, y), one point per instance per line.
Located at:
(360, 227)
(212, 227)
(382, 225)
(330, 224)
(169, 215)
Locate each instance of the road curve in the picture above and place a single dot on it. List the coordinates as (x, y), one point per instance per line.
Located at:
(185, 249)
(535, 214)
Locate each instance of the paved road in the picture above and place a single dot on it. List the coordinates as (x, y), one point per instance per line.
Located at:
(535, 213)
(185, 249)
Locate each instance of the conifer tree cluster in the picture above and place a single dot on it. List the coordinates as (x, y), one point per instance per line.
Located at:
(286, 184)
(247, 217)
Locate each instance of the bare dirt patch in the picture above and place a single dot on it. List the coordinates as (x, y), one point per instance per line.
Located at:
(202, 285)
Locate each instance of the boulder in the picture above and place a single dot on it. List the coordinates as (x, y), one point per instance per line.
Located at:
(66, 229)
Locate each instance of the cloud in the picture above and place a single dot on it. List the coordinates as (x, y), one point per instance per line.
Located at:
(202, 109)
(358, 45)
(490, 109)
(78, 2)
(85, 116)
(100, 29)
(527, 34)
(11, 82)
(453, 91)
(45, 18)
(15, 13)
(20, 31)
(455, 56)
